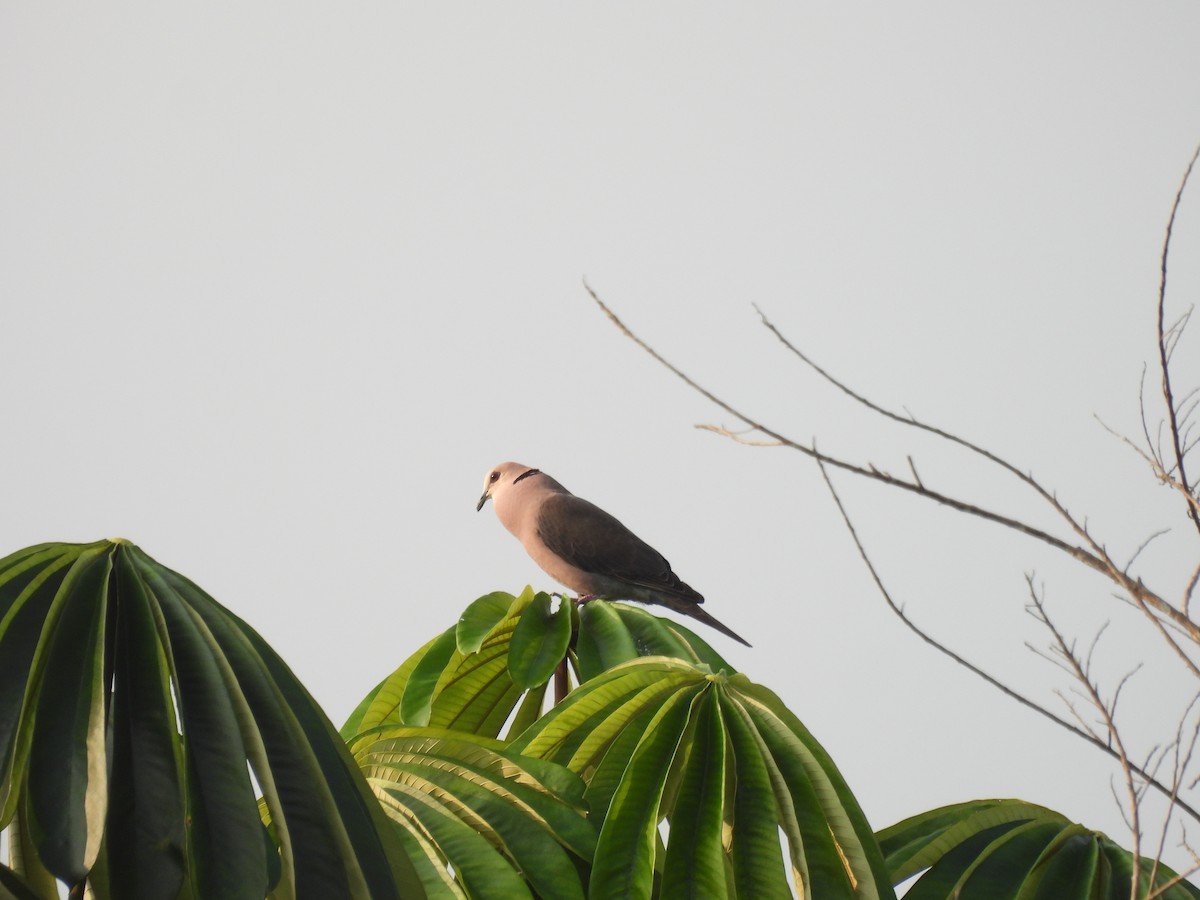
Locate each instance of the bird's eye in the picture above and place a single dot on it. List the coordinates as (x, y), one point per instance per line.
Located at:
(494, 477)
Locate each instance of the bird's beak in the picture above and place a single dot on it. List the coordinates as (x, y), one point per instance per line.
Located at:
(482, 500)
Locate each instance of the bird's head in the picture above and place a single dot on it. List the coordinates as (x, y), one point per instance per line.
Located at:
(503, 478)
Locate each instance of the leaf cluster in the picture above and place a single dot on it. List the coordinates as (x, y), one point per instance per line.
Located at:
(152, 745)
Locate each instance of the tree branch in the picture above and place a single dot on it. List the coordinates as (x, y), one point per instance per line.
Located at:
(1166, 338)
(1078, 731)
(1094, 556)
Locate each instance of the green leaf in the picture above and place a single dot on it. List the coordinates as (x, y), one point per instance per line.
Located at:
(145, 835)
(695, 859)
(838, 843)
(68, 773)
(503, 817)
(624, 862)
(539, 642)
(525, 809)
(354, 823)
(754, 847)
(417, 699)
(578, 731)
(1011, 857)
(657, 636)
(1012, 848)
(919, 841)
(382, 704)
(25, 863)
(609, 761)
(478, 619)
(482, 871)
(947, 875)
(476, 693)
(604, 640)
(275, 743)
(1069, 868)
(224, 833)
(427, 859)
(29, 583)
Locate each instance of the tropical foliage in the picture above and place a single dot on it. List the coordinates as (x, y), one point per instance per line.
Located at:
(153, 746)
(1008, 848)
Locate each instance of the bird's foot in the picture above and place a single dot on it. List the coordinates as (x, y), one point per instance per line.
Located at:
(584, 598)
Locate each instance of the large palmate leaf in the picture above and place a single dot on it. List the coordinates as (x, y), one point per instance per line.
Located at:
(613, 633)
(728, 768)
(1012, 849)
(501, 654)
(482, 821)
(131, 705)
(540, 641)
(443, 686)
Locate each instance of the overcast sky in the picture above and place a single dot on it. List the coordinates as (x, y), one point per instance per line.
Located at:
(278, 286)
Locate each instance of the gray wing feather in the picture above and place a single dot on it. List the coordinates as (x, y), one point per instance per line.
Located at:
(589, 538)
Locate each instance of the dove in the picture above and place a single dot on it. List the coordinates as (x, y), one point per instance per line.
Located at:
(584, 548)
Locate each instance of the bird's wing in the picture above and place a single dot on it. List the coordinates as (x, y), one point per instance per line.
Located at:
(592, 540)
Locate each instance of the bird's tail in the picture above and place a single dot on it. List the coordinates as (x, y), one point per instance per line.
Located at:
(697, 612)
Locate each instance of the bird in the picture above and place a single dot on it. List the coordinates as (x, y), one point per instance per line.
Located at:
(584, 548)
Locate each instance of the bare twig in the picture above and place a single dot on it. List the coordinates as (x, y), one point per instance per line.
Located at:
(912, 467)
(1121, 686)
(1142, 546)
(1183, 757)
(1167, 339)
(1152, 444)
(1157, 622)
(736, 437)
(1190, 589)
(1153, 459)
(1081, 669)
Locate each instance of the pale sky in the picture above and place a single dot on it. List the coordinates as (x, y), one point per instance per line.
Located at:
(279, 286)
